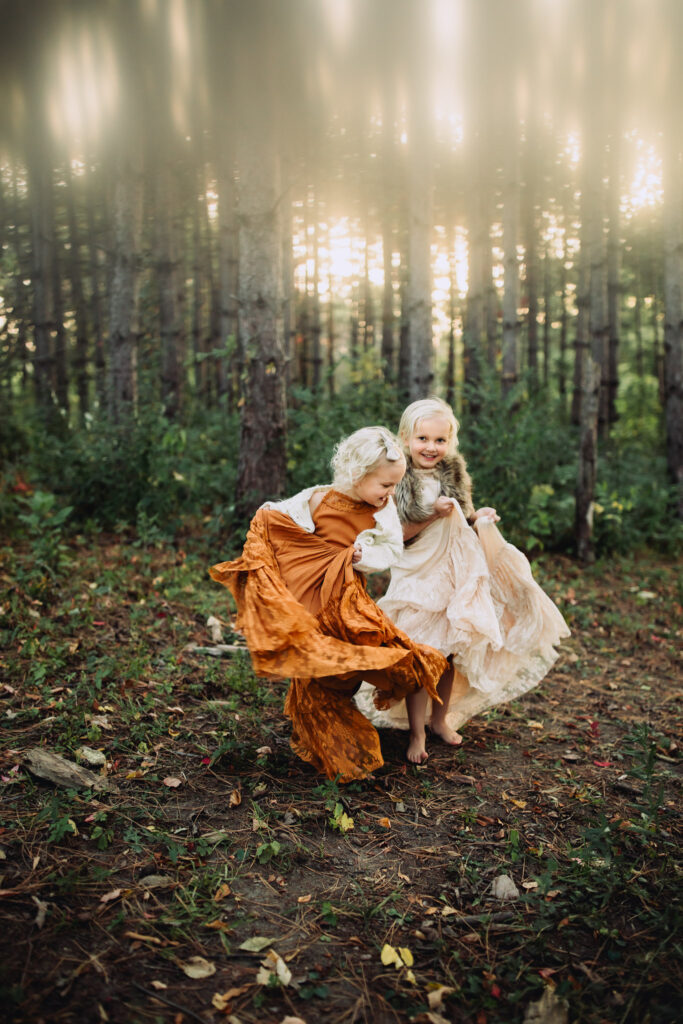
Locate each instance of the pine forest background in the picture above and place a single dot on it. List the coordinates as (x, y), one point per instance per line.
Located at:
(234, 231)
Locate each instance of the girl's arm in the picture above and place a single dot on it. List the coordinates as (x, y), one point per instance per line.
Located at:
(443, 506)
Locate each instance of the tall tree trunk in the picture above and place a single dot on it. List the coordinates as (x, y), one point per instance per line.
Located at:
(450, 361)
(611, 384)
(288, 294)
(262, 460)
(673, 309)
(316, 327)
(531, 269)
(419, 284)
(564, 318)
(478, 242)
(22, 315)
(592, 215)
(39, 181)
(388, 295)
(196, 333)
(58, 327)
(80, 361)
(96, 318)
(169, 279)
(123, 301)
(228, 260)
(511, 266)
(581, 326)
(547, 314)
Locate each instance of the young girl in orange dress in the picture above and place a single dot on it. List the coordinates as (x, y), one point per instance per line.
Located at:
(306, 615)
(461, 588)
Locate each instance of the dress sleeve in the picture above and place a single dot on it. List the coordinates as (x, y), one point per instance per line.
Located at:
(382, 544)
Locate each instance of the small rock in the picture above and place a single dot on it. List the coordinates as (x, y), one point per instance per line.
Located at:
(94, 757)
(503, 888)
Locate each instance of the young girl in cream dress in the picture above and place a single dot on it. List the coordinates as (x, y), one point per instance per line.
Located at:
(460, 588)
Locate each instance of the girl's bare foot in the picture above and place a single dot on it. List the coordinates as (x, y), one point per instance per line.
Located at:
(417, 751)
(447, 734)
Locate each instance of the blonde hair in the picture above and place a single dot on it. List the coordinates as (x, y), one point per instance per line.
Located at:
(362, 452)
(426, 409)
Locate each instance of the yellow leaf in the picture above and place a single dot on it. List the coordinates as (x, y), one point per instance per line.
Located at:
(406, 956)
(384, 822)
(389, 955)
(411, 978)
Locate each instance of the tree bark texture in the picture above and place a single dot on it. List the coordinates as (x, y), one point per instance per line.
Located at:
(262, 460)
(123, 300)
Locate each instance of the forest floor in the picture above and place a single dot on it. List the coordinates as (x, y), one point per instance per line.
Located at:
(209, 875)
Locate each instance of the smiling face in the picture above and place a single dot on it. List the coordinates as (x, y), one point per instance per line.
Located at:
(377, 486)
(429, 442)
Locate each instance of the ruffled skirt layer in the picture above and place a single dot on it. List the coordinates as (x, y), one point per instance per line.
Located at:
(472, 597)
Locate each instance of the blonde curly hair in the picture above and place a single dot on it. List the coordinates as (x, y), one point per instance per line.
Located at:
(426, 409)
(362, 452)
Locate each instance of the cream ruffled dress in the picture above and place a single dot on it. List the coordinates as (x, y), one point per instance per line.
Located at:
(470, 594)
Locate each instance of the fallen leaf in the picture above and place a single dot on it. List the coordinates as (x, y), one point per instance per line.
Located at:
(263, 751)
(435, 996)
(503, 888)
(273, 964)
(221, 892)
(172, 782)
(305, 899)
(235, 798)
(158, 985)
(198, 967)
(256, 943)
(222, 1001)
(384, 822)
(109, 896)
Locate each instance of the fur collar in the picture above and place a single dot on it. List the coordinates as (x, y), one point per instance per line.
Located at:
(455, 483)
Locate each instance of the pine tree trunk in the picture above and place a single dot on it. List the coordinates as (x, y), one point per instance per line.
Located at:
(592, 220)
(39, 181)
(228, 260)
(673, 312)
(95, 296)
(262, 458)
(169, 279)
(511, 265)
(547, 315)
(613, 289)
(123, 301)
(531, 274)
(388, 297)
(316, 326)
(80, 361)
(58, 328)
(478, 241)
(419, 284)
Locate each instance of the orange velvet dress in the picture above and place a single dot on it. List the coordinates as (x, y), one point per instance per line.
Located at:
(306, 615)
